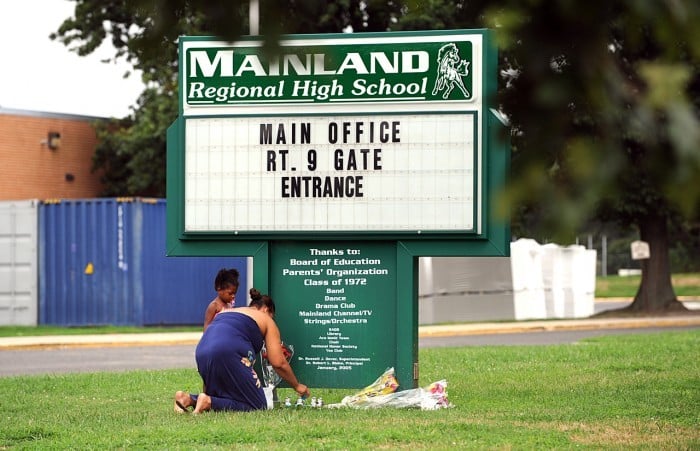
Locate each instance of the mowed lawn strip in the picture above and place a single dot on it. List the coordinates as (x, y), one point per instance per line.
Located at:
(631, 391)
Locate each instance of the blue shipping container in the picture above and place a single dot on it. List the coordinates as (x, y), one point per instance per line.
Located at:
(102, 262)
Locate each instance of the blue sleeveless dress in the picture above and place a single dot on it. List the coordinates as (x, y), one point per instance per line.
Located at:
(225, 356)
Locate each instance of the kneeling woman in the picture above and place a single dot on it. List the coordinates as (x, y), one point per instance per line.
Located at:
(225, 356)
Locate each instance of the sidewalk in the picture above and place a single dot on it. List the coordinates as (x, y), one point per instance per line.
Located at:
(186, 338)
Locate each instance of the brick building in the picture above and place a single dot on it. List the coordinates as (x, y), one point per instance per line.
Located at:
(47, 155)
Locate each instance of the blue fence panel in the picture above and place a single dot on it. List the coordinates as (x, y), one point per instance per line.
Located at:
(102, 262)
(79, 283)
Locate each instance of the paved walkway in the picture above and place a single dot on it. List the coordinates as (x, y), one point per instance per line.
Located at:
(168, 338)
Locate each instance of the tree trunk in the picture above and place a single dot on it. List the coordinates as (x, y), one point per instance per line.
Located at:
(655, 293)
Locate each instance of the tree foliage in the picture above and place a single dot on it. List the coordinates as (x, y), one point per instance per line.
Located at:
(603, 99)
(604, 105)
(606, 101)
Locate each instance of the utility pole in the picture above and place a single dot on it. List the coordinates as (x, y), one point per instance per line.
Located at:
(604, 256)
(254, 17)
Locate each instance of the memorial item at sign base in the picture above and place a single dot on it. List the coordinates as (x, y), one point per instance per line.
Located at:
(270, 376)
(382, 393)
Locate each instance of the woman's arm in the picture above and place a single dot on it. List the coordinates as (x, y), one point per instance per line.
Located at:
(275, 355)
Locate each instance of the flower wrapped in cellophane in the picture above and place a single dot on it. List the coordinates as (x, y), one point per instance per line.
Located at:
(382, 393)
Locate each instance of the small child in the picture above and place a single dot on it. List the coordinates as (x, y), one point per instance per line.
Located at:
(226, 286)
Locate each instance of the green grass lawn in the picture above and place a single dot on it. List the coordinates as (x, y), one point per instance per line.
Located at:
(615, 392)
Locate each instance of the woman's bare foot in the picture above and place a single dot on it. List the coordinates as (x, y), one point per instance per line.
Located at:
(203, 403)
(182, 402)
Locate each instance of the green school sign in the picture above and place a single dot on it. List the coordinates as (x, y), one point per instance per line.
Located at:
(337, 72)
(335, 164)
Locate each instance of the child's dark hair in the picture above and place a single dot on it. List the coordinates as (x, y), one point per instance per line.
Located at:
(258, 300)
(226, 277)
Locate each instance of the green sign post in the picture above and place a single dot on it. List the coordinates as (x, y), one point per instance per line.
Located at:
(335, 164)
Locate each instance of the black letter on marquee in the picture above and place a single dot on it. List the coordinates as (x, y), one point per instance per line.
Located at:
(332, 132)
(265, 133)
(271, 166)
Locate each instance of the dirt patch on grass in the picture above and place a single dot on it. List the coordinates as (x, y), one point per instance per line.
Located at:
(685, 280)
(616, 434)
(652, 434)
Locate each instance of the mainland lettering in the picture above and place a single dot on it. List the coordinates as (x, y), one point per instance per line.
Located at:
(228, 63)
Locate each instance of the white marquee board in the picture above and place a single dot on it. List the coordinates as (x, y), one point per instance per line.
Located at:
(423, 180)
(351, 134)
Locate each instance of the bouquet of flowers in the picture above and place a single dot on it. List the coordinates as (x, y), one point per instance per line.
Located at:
(382, 393)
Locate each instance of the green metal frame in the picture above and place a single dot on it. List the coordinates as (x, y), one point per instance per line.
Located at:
(493, 240)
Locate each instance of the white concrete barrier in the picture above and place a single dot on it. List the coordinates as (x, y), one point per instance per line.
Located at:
(535, 282)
